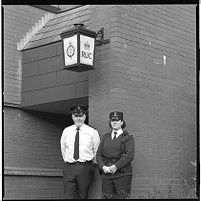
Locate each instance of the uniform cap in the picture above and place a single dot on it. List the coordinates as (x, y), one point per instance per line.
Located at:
(78, 110)
(116, 116)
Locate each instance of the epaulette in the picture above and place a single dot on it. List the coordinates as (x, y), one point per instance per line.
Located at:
(126, 133)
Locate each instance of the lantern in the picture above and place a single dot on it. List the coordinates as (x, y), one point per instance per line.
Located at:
(79, 48)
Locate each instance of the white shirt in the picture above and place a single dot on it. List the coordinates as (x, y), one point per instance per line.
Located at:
(119, 132)
(89, 141)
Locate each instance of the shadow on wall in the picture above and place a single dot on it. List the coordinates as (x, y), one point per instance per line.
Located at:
(59, 120)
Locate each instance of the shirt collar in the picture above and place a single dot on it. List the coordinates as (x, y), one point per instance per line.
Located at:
(119, 132)
(83, 125)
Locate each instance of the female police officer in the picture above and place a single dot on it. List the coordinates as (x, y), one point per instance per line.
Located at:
(114, 156)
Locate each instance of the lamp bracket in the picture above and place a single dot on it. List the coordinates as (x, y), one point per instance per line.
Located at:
(101, 40)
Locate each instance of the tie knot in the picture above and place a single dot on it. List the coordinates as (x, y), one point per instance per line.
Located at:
(115, 135)
(78, 128)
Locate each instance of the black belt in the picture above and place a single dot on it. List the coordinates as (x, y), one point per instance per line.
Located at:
(79, 163)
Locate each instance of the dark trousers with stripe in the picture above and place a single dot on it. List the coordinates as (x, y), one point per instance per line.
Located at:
(77, 178)
(116, 188)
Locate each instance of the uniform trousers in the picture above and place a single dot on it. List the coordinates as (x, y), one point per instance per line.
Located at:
(77, 178)
(116, 188)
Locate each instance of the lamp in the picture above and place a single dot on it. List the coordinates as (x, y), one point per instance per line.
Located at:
(79, 47)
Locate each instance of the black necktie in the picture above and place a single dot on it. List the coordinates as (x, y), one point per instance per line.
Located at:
(76, 145)
(115, 133)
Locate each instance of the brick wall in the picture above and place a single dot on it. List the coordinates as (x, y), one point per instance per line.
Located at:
(18, 19)
(148, 72)
(32, 139)
(45, 79)
(27, 136)
(32, 148)
(33, 187)
(32, 156)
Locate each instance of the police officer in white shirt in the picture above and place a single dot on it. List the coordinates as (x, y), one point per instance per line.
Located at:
(79, 143)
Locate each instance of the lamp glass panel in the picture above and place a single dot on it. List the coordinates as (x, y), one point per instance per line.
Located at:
(70, 50)
(86, 50)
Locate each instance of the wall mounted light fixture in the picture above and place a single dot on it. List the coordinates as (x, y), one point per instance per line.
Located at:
(79, 47)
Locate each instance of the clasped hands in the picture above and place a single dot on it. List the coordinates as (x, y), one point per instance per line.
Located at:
(109, 169)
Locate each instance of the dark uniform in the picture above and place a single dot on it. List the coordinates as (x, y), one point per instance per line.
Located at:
(120, 152)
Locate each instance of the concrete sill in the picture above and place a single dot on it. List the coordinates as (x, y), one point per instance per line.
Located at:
(18, 171)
